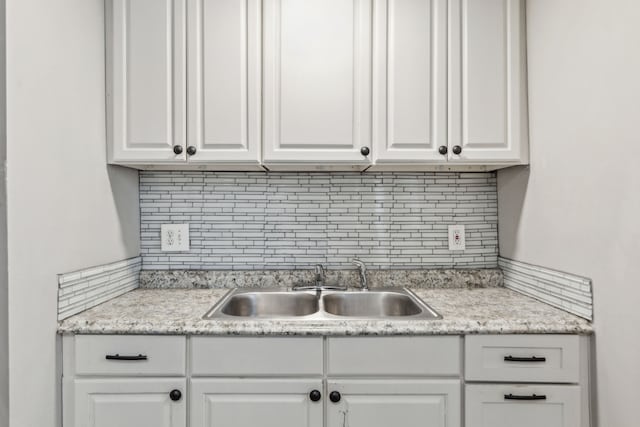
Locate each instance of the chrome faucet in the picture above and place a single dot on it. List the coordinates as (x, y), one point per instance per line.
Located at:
(363, 273)
(320, 275)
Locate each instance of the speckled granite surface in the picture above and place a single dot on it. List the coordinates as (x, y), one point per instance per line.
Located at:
(185, 279)
(464, 311)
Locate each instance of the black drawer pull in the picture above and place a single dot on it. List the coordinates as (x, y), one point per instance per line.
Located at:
(118, 357)
(532, 397)
(524, 359)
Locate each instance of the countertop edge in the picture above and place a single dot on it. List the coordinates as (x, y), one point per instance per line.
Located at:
(333, 331)
(465, 312)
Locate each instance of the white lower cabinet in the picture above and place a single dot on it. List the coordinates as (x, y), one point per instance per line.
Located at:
(255, 402)
(508, 405)
(410, 381)
(354, 403)
(284, 402)
(130, 402)
(538, 380)
(383, 403)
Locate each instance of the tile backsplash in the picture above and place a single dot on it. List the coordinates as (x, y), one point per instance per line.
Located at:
(567, 291)
(254, 220)
(83, 289)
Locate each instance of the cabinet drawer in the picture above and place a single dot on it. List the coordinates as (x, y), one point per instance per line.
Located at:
(262, 356)
(130, 355)
(384, 356)
(508, 405)
(522, 358)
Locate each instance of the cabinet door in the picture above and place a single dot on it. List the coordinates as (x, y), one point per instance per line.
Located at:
(384, 403)
(502, 406)
(129, 403)
(410, 80)
(251, 403)
(317, 81)
(146, 86)
(487, 81)
(224, 80)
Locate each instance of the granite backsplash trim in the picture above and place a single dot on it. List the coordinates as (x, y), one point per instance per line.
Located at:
(204, 279)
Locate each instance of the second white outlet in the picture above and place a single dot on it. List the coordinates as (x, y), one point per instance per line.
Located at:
(174, 237)
(456, 238)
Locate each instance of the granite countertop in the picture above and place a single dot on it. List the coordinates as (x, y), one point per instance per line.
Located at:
(493, 310)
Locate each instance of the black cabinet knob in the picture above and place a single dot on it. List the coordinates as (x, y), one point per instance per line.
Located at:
(365, 151)
(334, 396)
(191, 150)
(443, 150)
(315, 395)
(175, 395)
(457, 149)
(177, 149)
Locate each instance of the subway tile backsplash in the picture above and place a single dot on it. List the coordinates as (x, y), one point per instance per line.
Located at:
(254, 220)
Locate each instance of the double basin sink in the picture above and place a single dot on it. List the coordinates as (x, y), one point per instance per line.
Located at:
(387, 303)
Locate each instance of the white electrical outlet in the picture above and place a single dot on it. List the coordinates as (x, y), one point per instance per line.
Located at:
(174, 237)
(456, 238)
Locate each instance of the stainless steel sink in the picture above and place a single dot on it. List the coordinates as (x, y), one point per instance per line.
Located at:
(370, 304)
(270, 304)
(385, 303)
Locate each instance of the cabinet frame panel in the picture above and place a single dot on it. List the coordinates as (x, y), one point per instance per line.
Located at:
(121, 149)
(292, 388)
(513, 147)
(84, 388)
(450, 390)
(387, 148)
(273, 150)
(246, 147)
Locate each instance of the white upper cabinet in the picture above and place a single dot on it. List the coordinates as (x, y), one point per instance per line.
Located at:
(323, 84)
(449, 83)
(487, 82)
(146, 80)
(410, 80)
(224, 80)
(159, 114)
(317, 81)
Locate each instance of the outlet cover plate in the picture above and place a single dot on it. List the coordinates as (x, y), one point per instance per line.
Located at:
(456, 238)
(174, 237)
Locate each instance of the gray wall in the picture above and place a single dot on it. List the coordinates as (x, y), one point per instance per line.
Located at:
(577, 208)
(66, 209)
(4, 303)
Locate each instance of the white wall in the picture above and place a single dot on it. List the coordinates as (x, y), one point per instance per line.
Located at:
(578, 207)
(66, 209)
